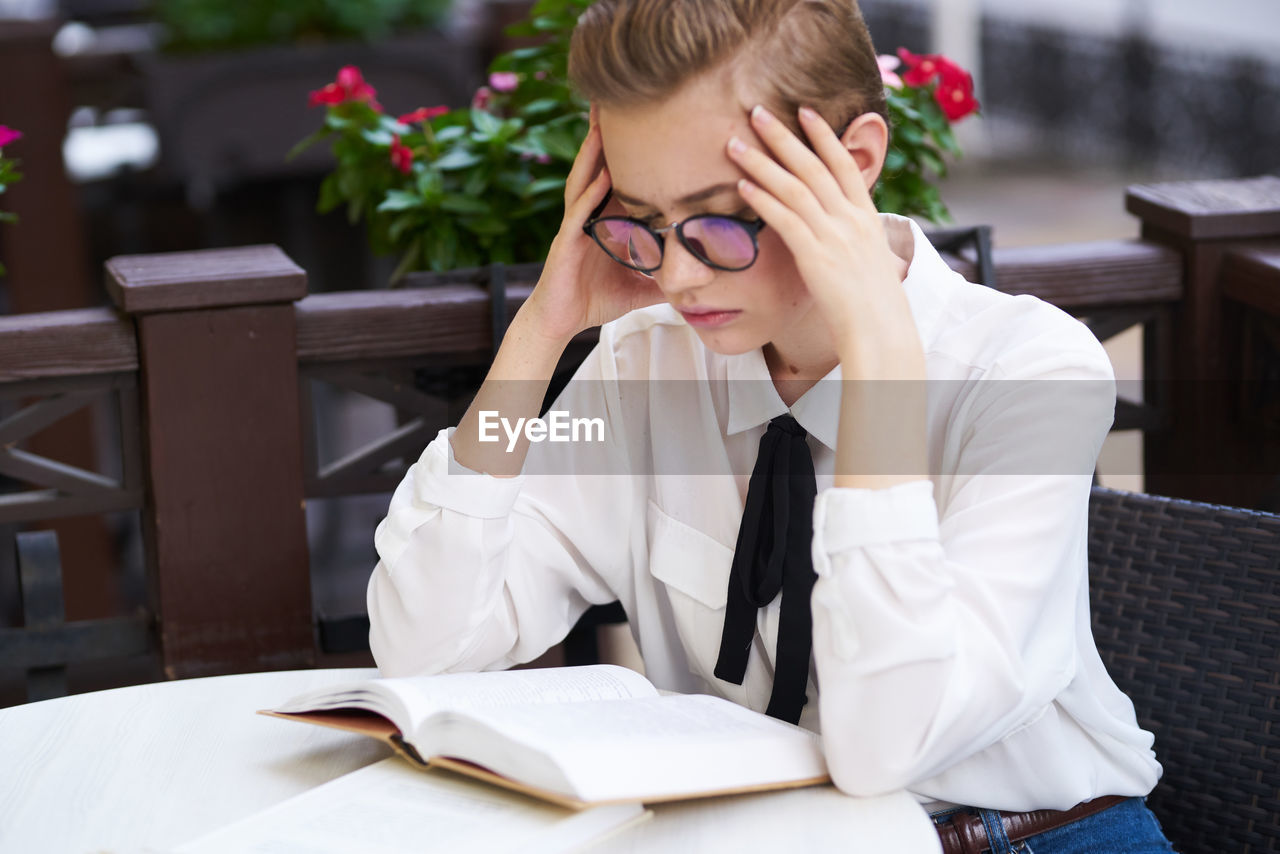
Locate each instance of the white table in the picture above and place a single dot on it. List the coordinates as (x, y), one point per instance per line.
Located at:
(146, 768)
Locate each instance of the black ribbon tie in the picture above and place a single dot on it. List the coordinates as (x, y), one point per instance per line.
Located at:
(773, 555)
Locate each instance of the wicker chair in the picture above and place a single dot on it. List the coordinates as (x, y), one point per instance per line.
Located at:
(1186, 613)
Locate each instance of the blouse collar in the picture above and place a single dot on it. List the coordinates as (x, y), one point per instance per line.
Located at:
(753, 399)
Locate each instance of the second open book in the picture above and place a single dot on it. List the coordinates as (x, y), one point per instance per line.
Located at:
(576, 736)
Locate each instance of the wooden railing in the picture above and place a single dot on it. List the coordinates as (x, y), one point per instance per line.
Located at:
(211, 355)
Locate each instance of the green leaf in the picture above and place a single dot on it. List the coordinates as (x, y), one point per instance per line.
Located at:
(910, 135)
(468, 256)
(477, 182)
(335, 122)
(525, 53)
(376, 137)
(457, 158)
(400, 226)
(408, 261)
(451, 133)
(305, 143)
(558, 142)
(544, 24)
(464, 204)
(330, 195)
(489, 225)
(542, 105)
(399, 200)
(508, 129)
(485, 122)
(933, 160)
(948, 142)
(544, 185)
(440, 246)
(513, 182)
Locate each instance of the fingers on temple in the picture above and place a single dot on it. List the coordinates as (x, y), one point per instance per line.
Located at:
(782, 218)
(774, 178)
(585, 166)
(798, 159)
(838, 160)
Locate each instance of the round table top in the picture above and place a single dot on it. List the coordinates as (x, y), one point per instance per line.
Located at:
(149, 767)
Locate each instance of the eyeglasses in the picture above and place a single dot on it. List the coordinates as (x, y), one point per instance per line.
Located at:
(721, 242)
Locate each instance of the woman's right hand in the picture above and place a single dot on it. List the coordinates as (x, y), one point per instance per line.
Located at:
(581, 286)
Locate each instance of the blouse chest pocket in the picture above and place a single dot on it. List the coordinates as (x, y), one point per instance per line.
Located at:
(694, 568)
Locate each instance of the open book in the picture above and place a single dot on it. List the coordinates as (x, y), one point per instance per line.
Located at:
(389, 808)
(575, 736)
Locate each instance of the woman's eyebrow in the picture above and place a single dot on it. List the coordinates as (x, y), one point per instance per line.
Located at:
(700, 195)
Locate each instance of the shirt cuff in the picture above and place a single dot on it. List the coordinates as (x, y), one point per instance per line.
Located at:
(845, 519)
(441, 480)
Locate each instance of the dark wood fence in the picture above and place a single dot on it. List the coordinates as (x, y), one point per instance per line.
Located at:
(210, 357)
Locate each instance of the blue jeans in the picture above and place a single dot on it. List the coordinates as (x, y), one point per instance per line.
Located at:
(1126, 828)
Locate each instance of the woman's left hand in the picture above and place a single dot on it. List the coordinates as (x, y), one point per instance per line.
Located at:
(820, 205)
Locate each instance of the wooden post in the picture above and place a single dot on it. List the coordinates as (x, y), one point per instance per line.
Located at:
(1202, 456)
(226, 532)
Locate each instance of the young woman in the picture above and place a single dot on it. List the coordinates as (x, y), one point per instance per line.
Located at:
(832, 480)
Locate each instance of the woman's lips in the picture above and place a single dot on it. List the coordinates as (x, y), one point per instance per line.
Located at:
(708, 317)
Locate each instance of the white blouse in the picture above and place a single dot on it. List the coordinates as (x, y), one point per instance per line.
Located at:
(952, 654)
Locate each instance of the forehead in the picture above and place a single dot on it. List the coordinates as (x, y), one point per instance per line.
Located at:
(662, 151)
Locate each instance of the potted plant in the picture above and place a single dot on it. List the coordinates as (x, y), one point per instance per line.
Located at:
(445, 188)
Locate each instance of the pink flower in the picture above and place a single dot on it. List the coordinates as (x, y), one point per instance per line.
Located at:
(401, 155)
(480, 101)
(504, 81)
(888, 70)
(8, 135)
(422, 114)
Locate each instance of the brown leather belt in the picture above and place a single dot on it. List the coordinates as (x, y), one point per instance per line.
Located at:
(964, 833)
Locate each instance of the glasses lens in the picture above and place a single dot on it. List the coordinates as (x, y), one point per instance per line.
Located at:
(720, 241)
(629, 243)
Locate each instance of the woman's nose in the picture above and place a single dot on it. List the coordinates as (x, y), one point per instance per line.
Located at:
(681, 270)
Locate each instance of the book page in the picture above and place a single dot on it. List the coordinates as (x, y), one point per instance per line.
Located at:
(390, 808)
(653, 748)
(408, 701)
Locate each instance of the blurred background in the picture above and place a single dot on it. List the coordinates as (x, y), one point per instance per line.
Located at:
(163, 125)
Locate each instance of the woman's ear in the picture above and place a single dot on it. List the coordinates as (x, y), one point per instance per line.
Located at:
(867, 139)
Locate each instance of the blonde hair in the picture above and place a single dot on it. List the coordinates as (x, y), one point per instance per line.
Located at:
(794, 53)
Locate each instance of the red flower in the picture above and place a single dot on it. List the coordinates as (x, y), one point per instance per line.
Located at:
(401, 155)
(920, 69)
(331, 94)
(422, 114)
(8, 135)
(480, 101)
(349, 86)
(955, 91)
